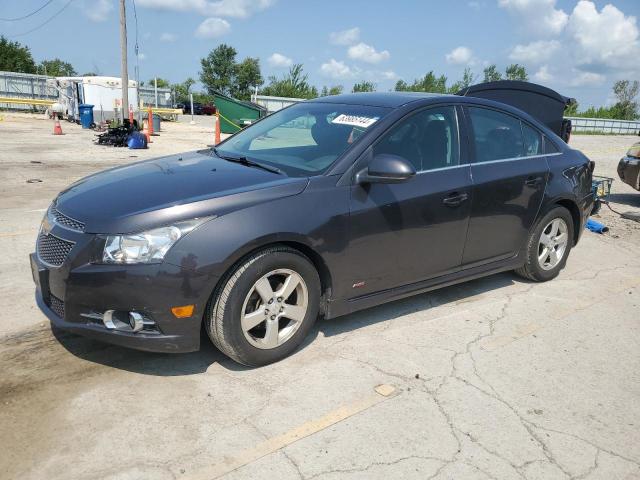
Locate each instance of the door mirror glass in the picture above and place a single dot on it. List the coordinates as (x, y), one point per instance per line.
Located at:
(386, 168)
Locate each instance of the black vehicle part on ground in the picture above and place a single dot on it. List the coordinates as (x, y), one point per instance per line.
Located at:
(540, 102)
(117, 136)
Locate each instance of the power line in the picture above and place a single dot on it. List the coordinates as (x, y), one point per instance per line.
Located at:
(28, 15)
(45, 22)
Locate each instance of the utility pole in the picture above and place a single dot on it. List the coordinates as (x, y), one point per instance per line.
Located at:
(123, 54)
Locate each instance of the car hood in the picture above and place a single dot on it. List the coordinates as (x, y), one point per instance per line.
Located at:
(158, 192)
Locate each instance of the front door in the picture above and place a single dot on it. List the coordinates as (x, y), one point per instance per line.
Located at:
(509, 172)
(406, 232)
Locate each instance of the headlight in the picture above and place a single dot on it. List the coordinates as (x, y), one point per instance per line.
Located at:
(146, 247)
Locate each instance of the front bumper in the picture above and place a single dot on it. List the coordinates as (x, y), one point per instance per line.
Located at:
(77, 290)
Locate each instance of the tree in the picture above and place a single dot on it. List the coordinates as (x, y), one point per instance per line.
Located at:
(218, 69)
(247, 76)
(162, 83)
(364, 86)
(335, 90)
(57, 68)
(468, 79)
(294, 84)
(429, 83)
(516, 72)
(183, 89)
(491, 74)
(15, 57)
(626, 108)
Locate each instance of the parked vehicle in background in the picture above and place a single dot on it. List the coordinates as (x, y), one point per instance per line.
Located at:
(198, 108)
(186, 108)
(208, 109)
(321, 209)
(629, 167)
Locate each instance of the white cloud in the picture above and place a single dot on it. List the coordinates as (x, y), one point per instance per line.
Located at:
(279, 60)
(335, 69)
(582, 79)
(540, 16)
(543, 75)
(606, 39)
(212, 28)
(460, 56)
(345, 37)
(366, 53)
(219, 8)
(141, 56)
(168, 37)
(534, 52)
(98, 11)
(389, 75)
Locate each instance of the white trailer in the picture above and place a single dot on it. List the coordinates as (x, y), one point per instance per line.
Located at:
(104, 93)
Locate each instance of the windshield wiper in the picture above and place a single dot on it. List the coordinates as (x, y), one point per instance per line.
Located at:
(249, 163)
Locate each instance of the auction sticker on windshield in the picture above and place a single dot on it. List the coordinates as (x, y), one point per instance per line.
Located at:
(355, 120)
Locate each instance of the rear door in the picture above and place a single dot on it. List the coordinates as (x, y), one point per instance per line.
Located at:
(509, 173)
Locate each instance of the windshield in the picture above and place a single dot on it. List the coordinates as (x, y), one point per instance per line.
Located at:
(305, 139)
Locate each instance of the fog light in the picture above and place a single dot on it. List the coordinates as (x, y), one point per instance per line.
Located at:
(183, 311)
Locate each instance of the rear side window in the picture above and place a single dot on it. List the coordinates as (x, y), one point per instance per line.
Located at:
(497, 136)
(532, 140)
(549, 146)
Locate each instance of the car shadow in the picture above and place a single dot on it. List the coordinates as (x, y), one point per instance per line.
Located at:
(167, 364)
(629, 199)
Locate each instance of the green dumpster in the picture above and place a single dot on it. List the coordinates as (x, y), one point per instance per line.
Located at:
(236, 114)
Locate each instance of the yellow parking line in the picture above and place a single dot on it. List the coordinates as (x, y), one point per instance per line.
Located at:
(273, 444)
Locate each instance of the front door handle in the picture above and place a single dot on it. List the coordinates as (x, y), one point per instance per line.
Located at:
(533, 181)
(455, 199)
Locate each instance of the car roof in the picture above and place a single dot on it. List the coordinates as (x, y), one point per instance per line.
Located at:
(378, 99)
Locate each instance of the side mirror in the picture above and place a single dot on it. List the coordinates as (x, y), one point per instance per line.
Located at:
(386, 168)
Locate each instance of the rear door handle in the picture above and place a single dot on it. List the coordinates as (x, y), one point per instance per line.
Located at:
(454, 199)
(533, 181)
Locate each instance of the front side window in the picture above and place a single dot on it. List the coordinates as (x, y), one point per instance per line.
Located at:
(428, 139)
(497, 136)
(305, 139)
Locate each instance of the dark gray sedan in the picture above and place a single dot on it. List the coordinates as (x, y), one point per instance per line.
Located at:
(321, 209)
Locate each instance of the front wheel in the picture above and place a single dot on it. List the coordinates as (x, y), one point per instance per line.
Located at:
(548, 246)
(265, 308)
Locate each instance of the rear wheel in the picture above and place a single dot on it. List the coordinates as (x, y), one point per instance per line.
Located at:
(265, 308)
(548, 246)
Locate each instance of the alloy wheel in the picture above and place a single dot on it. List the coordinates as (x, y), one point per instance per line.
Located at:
(274, 308)
(553, 243)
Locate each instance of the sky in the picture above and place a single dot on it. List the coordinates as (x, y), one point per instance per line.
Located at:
(579, 48)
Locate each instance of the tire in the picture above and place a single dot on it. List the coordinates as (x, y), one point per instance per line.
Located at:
(242, 293)
(547, 269)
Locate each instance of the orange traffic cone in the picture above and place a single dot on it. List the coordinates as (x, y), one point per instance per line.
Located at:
(145, 130)
(57, 128)
(217, 138)
(150, 121)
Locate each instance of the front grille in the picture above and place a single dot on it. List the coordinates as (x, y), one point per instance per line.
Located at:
(57, 306)
(65, 221)
(53, 250)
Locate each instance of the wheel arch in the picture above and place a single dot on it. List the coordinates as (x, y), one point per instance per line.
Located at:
(326, 281)
(574, 210)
